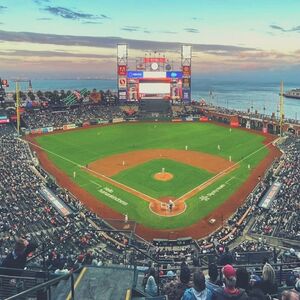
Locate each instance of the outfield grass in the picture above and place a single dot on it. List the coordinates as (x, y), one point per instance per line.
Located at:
(85, 146)
(141, 178)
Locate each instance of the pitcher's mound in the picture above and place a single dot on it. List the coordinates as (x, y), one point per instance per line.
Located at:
(166, 176)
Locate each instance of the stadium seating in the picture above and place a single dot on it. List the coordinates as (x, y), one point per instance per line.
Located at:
(66, 243)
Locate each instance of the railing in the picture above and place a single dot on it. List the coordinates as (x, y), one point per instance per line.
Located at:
(42, 291)
(13, 281)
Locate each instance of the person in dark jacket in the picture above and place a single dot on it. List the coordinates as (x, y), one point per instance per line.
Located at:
(230, 291)
(18, 257)
(243, 279)
(226, 258)
(213, 283)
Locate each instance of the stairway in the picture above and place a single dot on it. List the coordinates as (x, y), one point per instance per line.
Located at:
(97, 283)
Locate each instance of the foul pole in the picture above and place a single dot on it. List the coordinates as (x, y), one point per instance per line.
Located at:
(281, 108)
(18, 106)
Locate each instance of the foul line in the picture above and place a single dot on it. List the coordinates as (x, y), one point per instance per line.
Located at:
(103, 177)
(222, 173)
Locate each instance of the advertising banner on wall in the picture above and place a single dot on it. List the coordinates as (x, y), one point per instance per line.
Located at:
(4, 121)
(122, 83)
(186, 83)
(174, 74)
(69, 126)
(160, 60)
(186, 70)
(122, 70)
(186, 95)
(186, 59)
(55, 201)
(122, 95)
(135, 74)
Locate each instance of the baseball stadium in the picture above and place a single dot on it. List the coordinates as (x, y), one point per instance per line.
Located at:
(146, 187)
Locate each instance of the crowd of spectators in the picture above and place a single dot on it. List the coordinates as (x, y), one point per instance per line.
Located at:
(190, 283)
(282, 219)
(57, 118)
(25, 213)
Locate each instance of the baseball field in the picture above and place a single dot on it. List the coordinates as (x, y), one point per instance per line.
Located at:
(137, 168)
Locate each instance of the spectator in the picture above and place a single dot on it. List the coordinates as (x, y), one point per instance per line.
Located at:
(199, 291)
(212, 283)
(175, 289)
(230, 291)
(297, 285)
(226, 258)
(290, 295)
(18, 257)
(243, 279)
(151, 285)
(257, 294)
(268, 283)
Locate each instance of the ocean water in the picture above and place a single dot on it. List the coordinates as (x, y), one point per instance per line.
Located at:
(241, 95)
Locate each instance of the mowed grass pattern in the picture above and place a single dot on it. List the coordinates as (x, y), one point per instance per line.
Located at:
(141, 178)
(85, 146)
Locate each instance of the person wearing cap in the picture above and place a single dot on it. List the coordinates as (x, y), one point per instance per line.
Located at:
(199, 291)
(18, 257)
(175, 289)
(230, 291)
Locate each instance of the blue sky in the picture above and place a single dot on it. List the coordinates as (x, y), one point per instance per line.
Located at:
(227, 35)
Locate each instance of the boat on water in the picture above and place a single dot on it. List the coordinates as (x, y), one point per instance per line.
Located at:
(295, 93)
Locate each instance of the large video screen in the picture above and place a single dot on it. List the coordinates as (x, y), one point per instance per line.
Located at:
(154, 88)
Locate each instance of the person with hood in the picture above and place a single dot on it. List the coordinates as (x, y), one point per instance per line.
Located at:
(151, 285)
(268, 283)
(199, 291)
(230, 291)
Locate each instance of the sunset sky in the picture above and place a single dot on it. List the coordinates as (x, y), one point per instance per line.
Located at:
(76, 38)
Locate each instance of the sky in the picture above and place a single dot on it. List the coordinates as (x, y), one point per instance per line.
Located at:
(78, 38)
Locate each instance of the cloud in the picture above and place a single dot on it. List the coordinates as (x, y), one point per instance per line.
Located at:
(91, 22)
(104, 16)
(28, 53)
(191, 30)
(168, 32)
(110, 42)
(196, 19)
(276, 27)
(2, 8)
(39, 2)
(69, 14)
(293, 29)
(131, 28)
(44, 19)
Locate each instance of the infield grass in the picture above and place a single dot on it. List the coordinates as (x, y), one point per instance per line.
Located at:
(81, 147)
(142, 179)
